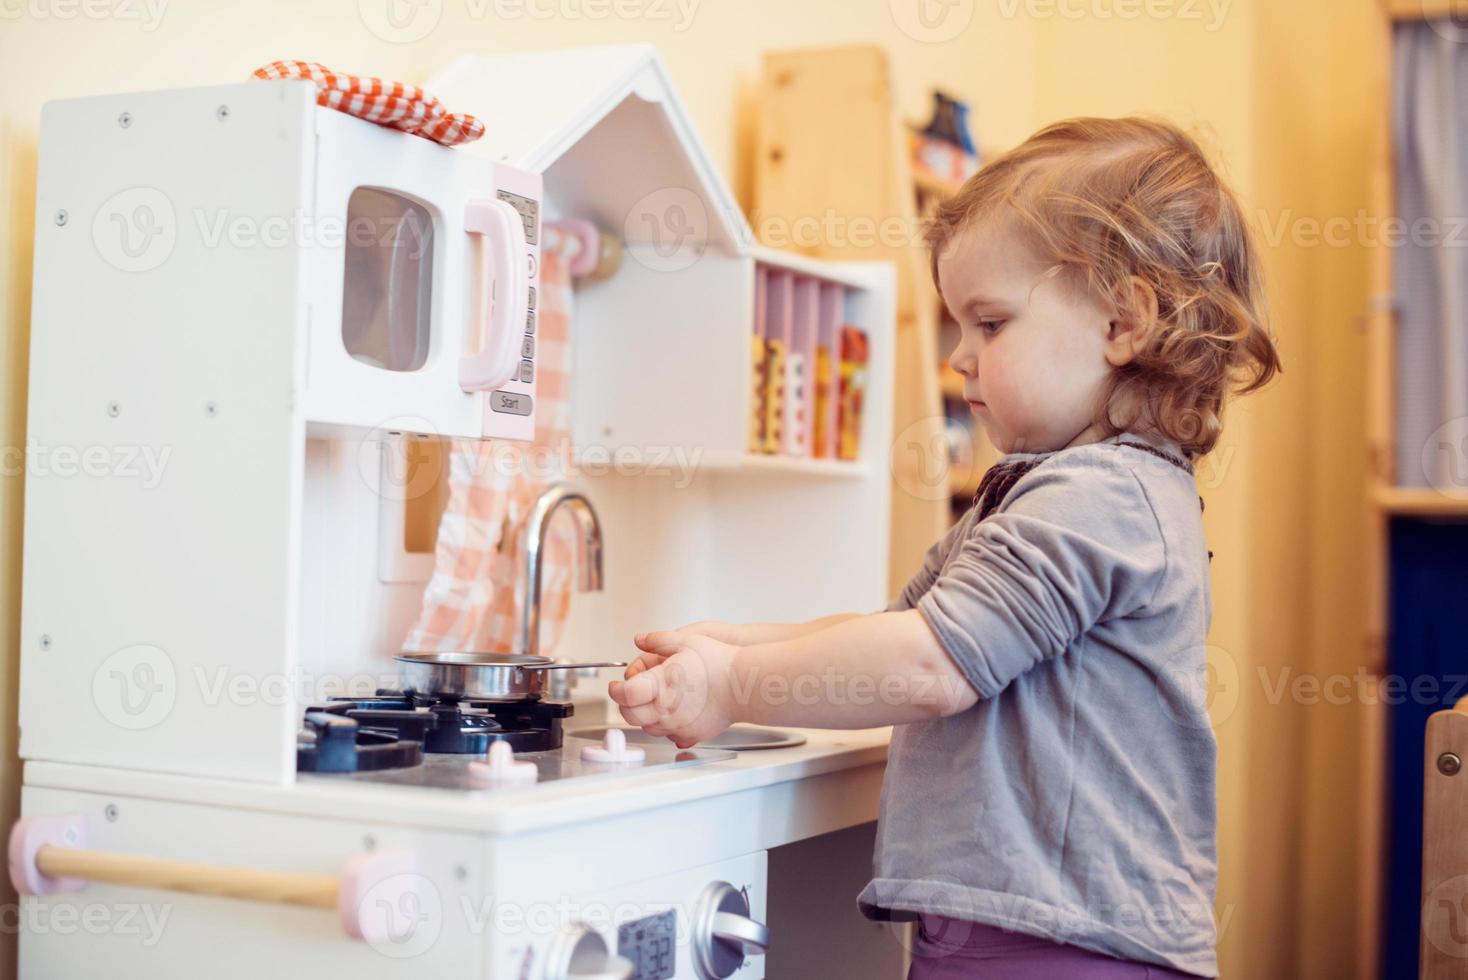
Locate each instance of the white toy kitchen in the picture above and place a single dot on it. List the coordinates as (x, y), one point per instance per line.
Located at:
(182, 757)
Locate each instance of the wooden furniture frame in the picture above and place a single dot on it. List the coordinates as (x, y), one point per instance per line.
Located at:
(850, 170)
(1445, 847)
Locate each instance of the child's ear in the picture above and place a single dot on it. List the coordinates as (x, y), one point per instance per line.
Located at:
(1133, 318)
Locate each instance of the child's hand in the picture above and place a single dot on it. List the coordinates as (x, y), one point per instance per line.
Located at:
(679, 688)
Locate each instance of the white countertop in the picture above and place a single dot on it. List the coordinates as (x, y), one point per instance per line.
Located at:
(494, 811)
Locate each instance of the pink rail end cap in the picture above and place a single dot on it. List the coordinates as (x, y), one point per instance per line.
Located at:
(28, 836)
(587, 257)
(372, 881)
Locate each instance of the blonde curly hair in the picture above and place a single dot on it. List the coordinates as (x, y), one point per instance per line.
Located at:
(1106, 200)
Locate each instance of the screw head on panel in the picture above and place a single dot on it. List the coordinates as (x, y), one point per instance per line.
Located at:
(1448, 764)
(125, 120)
(45, 641)
(61, 218)
(114, 409)
(369, 843)
(111, 812)
(211, 409)
(222, 113)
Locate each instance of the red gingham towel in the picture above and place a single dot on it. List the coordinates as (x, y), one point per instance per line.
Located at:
(405, 107)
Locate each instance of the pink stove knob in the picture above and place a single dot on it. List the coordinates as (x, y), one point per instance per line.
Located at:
(613, 749)
(503, 767)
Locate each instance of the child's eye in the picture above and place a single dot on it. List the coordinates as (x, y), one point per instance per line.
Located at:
(991, 326)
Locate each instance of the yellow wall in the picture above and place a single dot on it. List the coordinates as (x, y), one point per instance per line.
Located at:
(1199, 75)
(1273, 85)
(1282, 93)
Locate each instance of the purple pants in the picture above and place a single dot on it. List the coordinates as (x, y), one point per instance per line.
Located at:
(952, 949)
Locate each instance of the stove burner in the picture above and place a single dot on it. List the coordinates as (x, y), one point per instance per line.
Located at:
(438, 725)
(332, 743)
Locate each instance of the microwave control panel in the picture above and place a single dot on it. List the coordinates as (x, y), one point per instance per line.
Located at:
(510, 410)
(529, 214)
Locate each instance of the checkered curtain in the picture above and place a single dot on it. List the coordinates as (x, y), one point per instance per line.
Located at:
(1430, 110)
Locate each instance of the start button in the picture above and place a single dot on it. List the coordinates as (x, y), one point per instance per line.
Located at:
(509, 402)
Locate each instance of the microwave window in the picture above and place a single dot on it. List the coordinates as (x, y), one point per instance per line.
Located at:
(387, 286)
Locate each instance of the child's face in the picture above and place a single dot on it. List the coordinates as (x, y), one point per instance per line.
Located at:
(1032, 351)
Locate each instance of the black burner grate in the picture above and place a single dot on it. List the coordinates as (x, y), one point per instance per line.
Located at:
(438, 725)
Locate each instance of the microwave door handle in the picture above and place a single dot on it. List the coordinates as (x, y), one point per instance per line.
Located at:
(502, 272)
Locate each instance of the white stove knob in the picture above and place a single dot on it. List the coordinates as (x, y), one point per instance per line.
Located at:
(613, 749)
(723, 932)
(501, 767)
(580, 953)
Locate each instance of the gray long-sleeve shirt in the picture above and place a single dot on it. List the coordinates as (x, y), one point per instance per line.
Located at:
(1076, 800)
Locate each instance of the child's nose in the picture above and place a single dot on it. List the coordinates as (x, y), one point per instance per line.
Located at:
(965, 360)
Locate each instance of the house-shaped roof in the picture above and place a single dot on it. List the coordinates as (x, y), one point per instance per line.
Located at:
(609, 132)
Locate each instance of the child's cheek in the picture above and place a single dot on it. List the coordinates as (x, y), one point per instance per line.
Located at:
(1008, 391)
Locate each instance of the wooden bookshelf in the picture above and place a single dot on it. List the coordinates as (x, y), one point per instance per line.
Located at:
(809, 161)
(937, 187)
(1389, 500)
(1420, 502)
(963, 482)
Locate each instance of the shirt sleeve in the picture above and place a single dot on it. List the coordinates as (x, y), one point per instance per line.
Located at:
(928, 573)
(1075, 543)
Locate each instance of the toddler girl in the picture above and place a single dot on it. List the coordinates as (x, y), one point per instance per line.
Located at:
(1049, 805)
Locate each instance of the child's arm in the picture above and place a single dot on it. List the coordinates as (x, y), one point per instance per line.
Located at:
(862, 672)
(1078, 542)
(748, 634)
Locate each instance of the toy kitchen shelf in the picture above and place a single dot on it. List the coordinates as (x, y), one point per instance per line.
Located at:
(703, 392)
(662, 351)
(662, 359)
